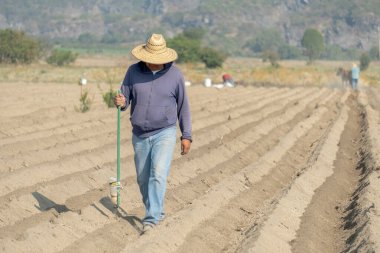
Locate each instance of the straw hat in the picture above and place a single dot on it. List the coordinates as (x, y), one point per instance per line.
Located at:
(155, 51)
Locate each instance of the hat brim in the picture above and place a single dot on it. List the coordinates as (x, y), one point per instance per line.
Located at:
(142, 54)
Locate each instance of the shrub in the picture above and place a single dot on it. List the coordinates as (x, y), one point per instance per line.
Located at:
(110, 77)
(289, 52)
(17, 47)
(265, 40)
(85, 102)
(87, 38)
(112, 38)
(108, 98)
(312, 41)
(272, 57)
(365, 60)
(334, 52)
(60, 57)
(188, 49)
(194, 33)
(212, 58)
(374, 53)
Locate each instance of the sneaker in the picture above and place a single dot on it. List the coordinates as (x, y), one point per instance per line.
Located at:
(162, 217)
(147, 227)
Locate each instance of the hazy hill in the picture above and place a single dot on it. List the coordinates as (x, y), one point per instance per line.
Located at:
(230, 23)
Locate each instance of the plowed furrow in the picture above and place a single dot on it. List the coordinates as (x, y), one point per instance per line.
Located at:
(183, 222)
(51, 128)
(75, 145)
(185, 194)
(211, 100)
(283, 223)
(362, 219)
(234, 103)
(263, 130)
(97, 176)
(50, 119)
(89, 121)
(52, 170)
(245, 211)
(321, 228)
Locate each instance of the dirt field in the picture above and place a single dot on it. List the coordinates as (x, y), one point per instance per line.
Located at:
(270, 170)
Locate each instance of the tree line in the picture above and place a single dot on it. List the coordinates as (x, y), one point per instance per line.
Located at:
(16, 47)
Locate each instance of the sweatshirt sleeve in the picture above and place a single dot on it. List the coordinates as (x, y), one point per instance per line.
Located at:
(183, 110)
(126, 89)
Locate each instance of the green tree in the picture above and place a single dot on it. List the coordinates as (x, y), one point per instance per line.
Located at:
(312, 41)
(374, 53)
(212, 58)
(188, 44)
(61, 57)
(351, 53)
(112, 37)
(365, 60)
(87, 38)
(194, 33)
(265, 40)
(289, 52)
(188, 49)
(271, 56)
(17, 47)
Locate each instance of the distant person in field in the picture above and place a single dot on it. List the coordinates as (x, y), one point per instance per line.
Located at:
(355, 72)
(155, 89)
(228, 81)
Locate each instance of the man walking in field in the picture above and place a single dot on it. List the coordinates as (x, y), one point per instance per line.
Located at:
(155, 89)
(355, 76)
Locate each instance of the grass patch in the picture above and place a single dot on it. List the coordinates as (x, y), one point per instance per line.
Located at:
(109, 71)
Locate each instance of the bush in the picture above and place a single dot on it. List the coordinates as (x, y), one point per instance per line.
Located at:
(112, 38)
(212, 58)
(108, 98)
(187, 49)
(374, 53)
(17, 47)
(334, 52)
(85, 103)
(87, 39)
(364, 61)
(194, 33)
(60, 57)
(265, 40)
(312, 41)
(351, 53)
(272, 57)
(289, 52)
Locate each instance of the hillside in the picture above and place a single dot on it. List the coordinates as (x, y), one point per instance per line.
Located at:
(230, 23)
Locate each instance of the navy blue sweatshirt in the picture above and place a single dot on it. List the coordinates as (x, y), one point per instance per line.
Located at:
(156, 100)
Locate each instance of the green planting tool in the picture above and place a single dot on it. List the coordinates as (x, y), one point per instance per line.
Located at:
(118, 154)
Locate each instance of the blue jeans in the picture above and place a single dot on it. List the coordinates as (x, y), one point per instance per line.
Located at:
(153, 156)
(354, 83)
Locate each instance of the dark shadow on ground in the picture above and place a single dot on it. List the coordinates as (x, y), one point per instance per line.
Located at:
(120, 212)
(45, 204)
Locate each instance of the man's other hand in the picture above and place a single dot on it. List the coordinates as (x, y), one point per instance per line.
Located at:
(119, 100)
(185, 146)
